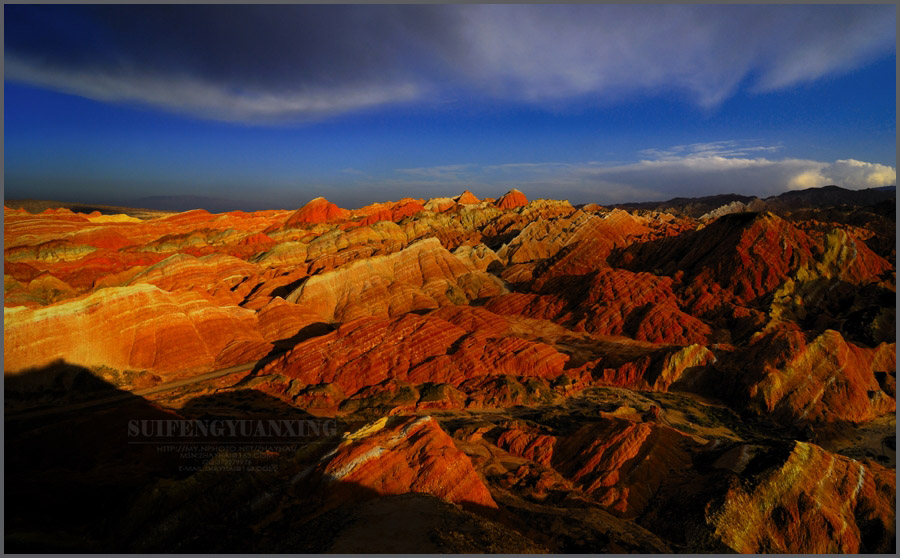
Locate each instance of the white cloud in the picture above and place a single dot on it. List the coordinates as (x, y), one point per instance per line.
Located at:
(702, 175)
(185, 94)
(849, 173)
(725, 148)
(690, 170)
(545, 52)
(812, 178)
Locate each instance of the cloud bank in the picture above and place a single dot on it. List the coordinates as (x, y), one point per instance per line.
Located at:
(690, 171)
(271, 64)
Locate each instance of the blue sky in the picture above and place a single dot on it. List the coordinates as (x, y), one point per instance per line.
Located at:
(274, 105)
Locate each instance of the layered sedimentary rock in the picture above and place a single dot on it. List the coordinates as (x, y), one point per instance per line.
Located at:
(736, 206)
(747, 255)
(710, 379)
(282, 320)
(422, 276)
(439, 205)
(845, 287)
(587, 238)
(318, 210)
(661, 369)
(479, 256)
(824, 380)
(206, 272)
(135, 328)
(466, 198)
(814, 501)
(391, 211)
(618, 462)
(512, 200)
(402, 456)
(51, 251)
(415, 350)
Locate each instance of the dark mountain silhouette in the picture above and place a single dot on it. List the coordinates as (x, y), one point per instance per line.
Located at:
(826, 196)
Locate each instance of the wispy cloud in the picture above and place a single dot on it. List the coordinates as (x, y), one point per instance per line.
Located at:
(185, 94)
(725, 148)
(285, 63)
(547, 52)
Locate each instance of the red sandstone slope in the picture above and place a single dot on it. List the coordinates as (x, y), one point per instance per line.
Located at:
(318, 210)
(390, 211)
(139, 328)
(611, 302)
(814, 502)
(747, 254)
(823, 380)
(618, 462)
(422, 276)
(398, 457)
(512, 200)
(466, 197)
(413, 350)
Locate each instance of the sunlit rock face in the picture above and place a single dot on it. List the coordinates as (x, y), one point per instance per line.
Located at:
(814, 501)
(822, 380)
(135, 328)
(466, 198)
(422, 276)
(318, 210)
(402, 456)
(512, 200)
(591, 378)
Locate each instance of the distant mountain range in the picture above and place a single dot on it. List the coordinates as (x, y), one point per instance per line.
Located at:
(826, 196)
(187, 203)
(706, 206)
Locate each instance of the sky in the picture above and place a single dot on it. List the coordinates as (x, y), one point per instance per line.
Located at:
(271, 106)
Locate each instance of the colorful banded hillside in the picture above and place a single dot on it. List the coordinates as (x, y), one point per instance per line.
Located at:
(504, 375)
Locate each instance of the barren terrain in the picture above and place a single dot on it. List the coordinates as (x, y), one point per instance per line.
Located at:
(504, 375)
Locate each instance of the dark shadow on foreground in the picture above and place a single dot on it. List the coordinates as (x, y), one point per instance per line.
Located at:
(113, 479)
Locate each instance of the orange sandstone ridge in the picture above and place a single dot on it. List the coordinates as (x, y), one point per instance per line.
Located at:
(466, 197)
(409, 455)
(512, 200)
(318, 210)
(537, 376)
